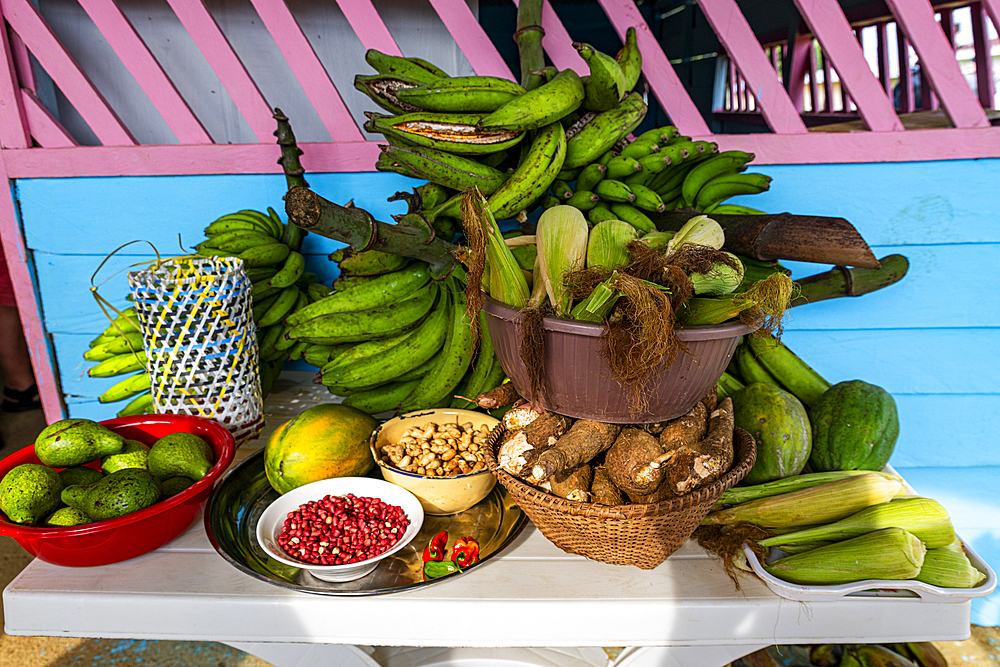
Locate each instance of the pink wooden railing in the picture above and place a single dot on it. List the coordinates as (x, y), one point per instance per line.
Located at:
(34, 144)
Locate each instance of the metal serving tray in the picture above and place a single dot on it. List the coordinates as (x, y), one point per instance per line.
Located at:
(241, 496)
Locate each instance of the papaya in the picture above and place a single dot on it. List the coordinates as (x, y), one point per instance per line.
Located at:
(780, 427)
(854, 426)
(329, 440)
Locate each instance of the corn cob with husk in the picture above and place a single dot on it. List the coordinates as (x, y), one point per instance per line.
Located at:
(742, 494)
(816, 505)
(505, 283)
(656, 239)
(607, 244)
(699, 230)
(561, 236)
(922, 517)
(766, 299)
(597, 305)
(949, 569)
(890, 553)
(722, 279)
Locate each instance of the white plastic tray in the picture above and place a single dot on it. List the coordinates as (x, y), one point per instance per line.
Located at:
(874, 587)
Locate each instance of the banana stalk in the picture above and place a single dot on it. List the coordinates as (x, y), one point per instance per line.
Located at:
(845, 281)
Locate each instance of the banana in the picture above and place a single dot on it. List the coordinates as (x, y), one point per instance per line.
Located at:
(367, 262)
(283, 344)
(228, 224)
(638, 149)
(633, 216)
(621, 166)
(412, 67)
(647, 199)
(601, 212)
(418, 372)
(265, 255)
(267, 339)
(568, 175)
(127, 388)
(450, 208)
(533, 175)
(317, 291)
(419, 346)
(605, 157)
(590, 176)
(629, 58)
(605, 86)
(447, 169)
(259, 273)
(291, 270)
(298, 350)
(275, 224)
(140, 405)
(261, 306)
(435, 388)
(583, 200)
(718, 164)
(723, 187)
(472, 384)
(321, 355)
(561, 189)
(281, 307)
(548, 201)
(433, 194)
(462, 94)
(262, 290)
(376, 292)
(735, 209)
(751, 370)
(873, 655)
(384, 90)
(379, 322)
(539, 107)
(119, 365)
(239, 243)
(454, 133)
(610, 190)
(130, 342)
(383, 398)
(791, 371)
(364, 351)
(598, 136)
(660, 135)
(925, 654)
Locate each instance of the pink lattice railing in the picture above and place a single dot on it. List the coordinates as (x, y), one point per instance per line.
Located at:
(34, 144)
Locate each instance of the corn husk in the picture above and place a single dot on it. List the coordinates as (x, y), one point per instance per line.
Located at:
(722, 279)
(949, 569)
(598, 304)
(656, 239)
(561, 234)
(890, 553)
(768, 300)
(923, 517)
(742, 494)
(699, 230)
(817, 505)
(506, 282)
(606, 244)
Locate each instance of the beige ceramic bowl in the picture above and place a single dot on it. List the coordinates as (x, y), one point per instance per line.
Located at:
(437, 495)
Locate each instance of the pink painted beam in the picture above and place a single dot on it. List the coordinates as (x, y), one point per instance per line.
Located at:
(740, 42)
(802, 61)
(993, 9)
(659, 73)
(557, 42)
(364, 19)
(471, 38)
(25, 20)
(44, 127)
(938, 60)
(13, 120)
(234, 77)
(22, 62)
(141, 64)
(308, 70)
(840, 45)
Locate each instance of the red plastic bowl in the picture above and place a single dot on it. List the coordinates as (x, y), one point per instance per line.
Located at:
(115, 540)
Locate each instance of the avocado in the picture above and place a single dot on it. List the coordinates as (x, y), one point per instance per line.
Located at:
(29, 493)
(180, 455)
(74, 496)
(66, 516)
(79, 475)
(73, 442)
(132, 455)
(174, 485)
(122, 492)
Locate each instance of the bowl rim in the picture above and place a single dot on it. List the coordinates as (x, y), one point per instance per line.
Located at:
(223, 459)
(416, 521)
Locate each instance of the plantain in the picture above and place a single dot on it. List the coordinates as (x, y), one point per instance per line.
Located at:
(240, 242)
(113, 346)
(601, 212)
(260, 273)
(639, 149)
(119, 364)
(412, 67)
(127, 388)
(583, 200)
(750, 369)
(633, 216)
(265, 255)
(383, 398)
(534, 175)
(720, 163)
(384, 89)
(374, 293)
(454, 133)
(629, 58)
(791, 371)
(367, 262)
(473, 383)
(140, 405)
(462, 94)
(661, 135)
(267, 339)
(590, 176)
(261, 306)
(621, 166)
(321, 355)
(291, 270)
(597, 137)
(230, 224)
(612, 191)
(281, 307)
(539, 107)
(723, 187)
(317, 291)
(605, 86)
(561, 189)
(647, 199)
(448, 170)
(276, 225)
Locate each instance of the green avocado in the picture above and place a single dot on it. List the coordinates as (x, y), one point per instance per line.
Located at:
(74, 496)
(29, 493)
(122, 492)
(132, 455)
(74, 442)
(79, 476)
(67, 516)
(180, 455)
(174, 485)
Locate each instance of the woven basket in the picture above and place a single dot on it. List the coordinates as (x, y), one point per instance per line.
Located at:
(639, 535)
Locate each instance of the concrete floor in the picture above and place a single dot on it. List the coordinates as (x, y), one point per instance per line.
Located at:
(290, 397)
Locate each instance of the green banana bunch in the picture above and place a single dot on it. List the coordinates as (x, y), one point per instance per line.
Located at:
(606, 84)
(462, 94)
(367, 262)
(603, 131)
(375, 292)
(449, 170)
(384, 90)
(412, 68)
(539, 107)
(534, 175)
(722, 187)
(453, 133)
(726, 162)
(127, 388)
(629, 58)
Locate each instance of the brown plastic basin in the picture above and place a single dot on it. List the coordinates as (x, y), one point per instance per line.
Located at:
(578, 382)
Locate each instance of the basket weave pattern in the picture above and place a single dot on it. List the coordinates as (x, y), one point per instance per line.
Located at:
(639, 535)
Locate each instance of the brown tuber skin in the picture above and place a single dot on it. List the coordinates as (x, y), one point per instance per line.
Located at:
(603, 490)
(692, 464)
(584, 440)
(518, 452)
(573, 484)
(499, 396)
(628, 461)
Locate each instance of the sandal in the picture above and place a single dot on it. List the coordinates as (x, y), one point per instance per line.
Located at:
(20, 401)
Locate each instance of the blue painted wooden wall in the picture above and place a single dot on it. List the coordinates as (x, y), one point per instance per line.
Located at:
(931, 340)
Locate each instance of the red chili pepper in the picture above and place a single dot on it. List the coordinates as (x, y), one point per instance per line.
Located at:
(434, 551)
(465, 551)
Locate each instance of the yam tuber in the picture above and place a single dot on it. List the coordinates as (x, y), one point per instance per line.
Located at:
(603, 490)
(689, 465)
(499, 396)
(628, 461)
(685, 429)
(573, 484)
(582, 442)
(518, 451)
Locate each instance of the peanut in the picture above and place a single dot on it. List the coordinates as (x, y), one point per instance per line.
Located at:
(438, 450)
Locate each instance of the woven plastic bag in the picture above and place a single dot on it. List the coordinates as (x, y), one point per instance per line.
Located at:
(195, 314)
